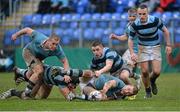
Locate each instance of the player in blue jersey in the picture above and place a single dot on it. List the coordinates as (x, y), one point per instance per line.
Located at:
(53, 75)
(132, 14)
(106, 60)
(146, 28)
(107, 87)
(36, 51)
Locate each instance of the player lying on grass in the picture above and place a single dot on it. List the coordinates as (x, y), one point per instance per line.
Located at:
(53, 75)
(107, 87)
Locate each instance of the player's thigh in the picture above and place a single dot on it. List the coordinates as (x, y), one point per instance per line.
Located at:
(156, 66)
(31, 61)
(144, 66)
(44, 91)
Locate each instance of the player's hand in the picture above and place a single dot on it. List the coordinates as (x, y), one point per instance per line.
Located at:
(97, 73)
(67, 79)
(113, 36)
(14, 37)
(134, 57)
(168, 50)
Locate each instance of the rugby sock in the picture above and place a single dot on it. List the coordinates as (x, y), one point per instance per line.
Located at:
(153, 78)
(16, 93)
(148, 90)
(23, 72)
(29, 88)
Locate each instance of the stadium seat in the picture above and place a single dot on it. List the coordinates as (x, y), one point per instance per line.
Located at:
(177, 35)
(59, 32)
(98, 33)
(115, 17)
(65, 23)
(46, 19)
(37, 20)
(106, 17)
(46, 32)
(56, 19)
(157, 14)
(7, 37)
(95, 18)
(119, 31)
(85, 20)
(77, 34)
(75, 18)
(27, 20)
(166, 17)
(68, 32)
(88, 34)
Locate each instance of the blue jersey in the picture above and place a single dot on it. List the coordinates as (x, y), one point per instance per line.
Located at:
(135, 39)
(102, 79)
(54, 75)
(108, 54)
(35, 46)
(147, 33)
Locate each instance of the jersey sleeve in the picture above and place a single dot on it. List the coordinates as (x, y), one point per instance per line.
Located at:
(161, 24)
(131, 33)
(60, 53)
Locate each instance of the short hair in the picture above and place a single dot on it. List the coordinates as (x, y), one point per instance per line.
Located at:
(143, 6)
(97, 43)
(135, 90)
(132, 11)
(55, 37)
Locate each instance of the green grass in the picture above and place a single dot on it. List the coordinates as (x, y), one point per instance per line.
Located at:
(167, 99)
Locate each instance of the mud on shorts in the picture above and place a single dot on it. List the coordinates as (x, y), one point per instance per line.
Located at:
(149, 53)
(30, 59)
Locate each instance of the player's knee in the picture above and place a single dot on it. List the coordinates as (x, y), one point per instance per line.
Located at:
(145, 74)
(38, 69)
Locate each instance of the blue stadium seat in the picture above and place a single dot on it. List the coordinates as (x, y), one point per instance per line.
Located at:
(88, 34)
(77, 34)
(56, 19)
(59, 32)
(75, 19)
(157, 14)
(7, 37)
(98, 33)
(46, 19)
(85, 20)
(27, 20)
(65, 21)
(115, 17)
(105, 17)
(119, 31)
(106, 35)
(95, 18)
(37, 20)
(166, 17)
(46, 32)
(177, 35)
(68, 32)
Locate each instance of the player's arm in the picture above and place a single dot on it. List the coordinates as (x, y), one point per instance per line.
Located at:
(167, 38)
(121, 38)
(65, 63)
(106, 68)
(108, 85)
(22, 32)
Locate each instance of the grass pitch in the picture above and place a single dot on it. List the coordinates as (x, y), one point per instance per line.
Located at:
(168, 99)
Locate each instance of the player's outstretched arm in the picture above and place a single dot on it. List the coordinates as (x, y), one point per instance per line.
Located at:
(22, 32)
(116, 37)
(108, 85)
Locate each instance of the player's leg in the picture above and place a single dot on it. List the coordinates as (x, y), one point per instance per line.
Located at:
(37, 68)
(156, 68)
(44, 91)
(69, 95)
(124, 75)
(145, 78)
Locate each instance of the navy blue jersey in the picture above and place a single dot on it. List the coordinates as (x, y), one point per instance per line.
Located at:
(147, 33)
(108, 54)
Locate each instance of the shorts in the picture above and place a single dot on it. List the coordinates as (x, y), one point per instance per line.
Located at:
(30, 59)
(149, 53)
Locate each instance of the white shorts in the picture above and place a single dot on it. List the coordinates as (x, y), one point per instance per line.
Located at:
(149, 53)
(127, 57)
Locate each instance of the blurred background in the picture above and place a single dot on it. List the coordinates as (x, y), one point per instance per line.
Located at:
(78, 23)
